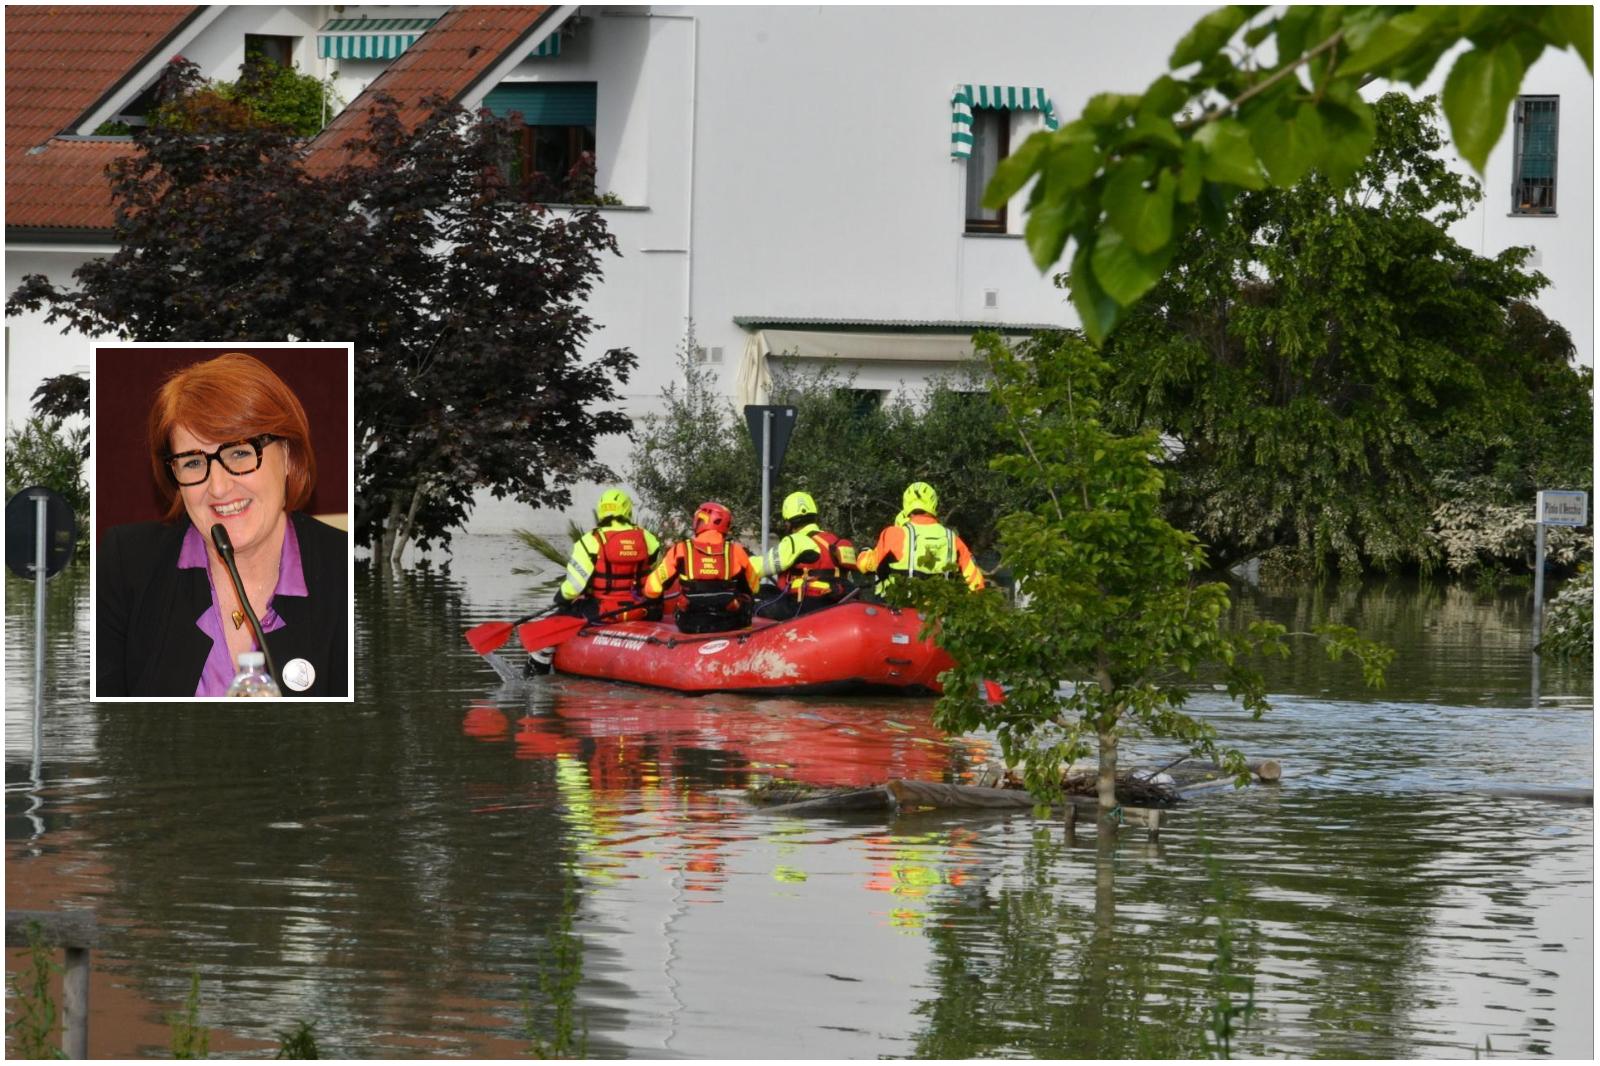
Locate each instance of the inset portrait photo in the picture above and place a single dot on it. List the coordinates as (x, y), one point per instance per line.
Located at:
(221, 562)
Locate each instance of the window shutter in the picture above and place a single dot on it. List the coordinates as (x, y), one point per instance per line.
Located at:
(546, 103)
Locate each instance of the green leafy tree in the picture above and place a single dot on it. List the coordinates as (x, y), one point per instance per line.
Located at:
(464, 301)
(1111, 601)
(1326, 353)
(45, 452)
(1255, 97)
(856, 457)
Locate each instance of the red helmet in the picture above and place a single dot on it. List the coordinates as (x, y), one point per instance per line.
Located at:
(713, 516)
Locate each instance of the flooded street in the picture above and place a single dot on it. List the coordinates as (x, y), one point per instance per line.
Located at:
(455, 865)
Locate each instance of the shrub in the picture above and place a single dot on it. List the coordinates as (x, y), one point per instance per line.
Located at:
(43, 453)
(1569, 621)
(855, 457)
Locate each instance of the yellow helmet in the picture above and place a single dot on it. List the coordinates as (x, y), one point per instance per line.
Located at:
(919, 496)
(797, 504)
(614, 503)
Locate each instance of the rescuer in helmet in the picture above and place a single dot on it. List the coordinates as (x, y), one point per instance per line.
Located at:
(917, 546)
(713, 570)
(808, 565)
(609, 564)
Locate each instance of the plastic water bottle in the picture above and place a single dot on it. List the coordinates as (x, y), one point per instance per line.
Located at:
(253, 679)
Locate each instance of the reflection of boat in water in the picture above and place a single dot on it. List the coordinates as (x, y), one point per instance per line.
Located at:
(630, 739)
(847, 648)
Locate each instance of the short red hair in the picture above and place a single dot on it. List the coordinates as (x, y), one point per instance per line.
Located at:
(232, 397)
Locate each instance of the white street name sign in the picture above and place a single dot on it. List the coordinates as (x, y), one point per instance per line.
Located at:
(1558, 507)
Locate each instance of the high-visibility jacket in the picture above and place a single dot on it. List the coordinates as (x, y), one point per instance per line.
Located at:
(610, 563)
(808, 563)
(714, 572)
(920, 547)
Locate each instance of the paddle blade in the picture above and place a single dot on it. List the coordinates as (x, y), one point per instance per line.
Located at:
(993, 692)
(548, 631)
(489, 636)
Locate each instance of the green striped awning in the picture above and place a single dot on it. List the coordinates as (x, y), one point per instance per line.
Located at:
(1008, 97)
(366, 38)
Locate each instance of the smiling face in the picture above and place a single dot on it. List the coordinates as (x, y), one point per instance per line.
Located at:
(249, 506)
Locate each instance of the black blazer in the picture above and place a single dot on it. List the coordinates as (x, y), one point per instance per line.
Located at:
(146, 642)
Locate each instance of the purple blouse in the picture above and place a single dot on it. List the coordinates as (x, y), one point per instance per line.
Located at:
(218, 672)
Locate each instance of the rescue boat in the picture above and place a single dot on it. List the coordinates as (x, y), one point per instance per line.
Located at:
(847, 648)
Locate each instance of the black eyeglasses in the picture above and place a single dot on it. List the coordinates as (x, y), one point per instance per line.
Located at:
(236, 457)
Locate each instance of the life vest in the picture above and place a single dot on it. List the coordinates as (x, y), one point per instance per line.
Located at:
(930, 549)
(710, 579)
(619, 566)
(821, 578)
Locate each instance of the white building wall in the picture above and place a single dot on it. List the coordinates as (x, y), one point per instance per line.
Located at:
(795, 161)
(1563, 243)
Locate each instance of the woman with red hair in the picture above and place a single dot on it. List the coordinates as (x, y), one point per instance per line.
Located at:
(229, 446)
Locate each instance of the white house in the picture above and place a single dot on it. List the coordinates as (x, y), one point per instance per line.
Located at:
(791, 179)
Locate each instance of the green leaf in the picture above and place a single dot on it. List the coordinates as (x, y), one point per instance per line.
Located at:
(1191, 172)
(1015, 170)
(1293, 26)
(1108, 109)
(1049, 225)
(1572, 24)
(1229, 157)
(1477, 96)
(1348, 131)
(1288, 147)
(1150, 129)
(1164, 97)
(1123, 271)
(1143, 216)
(1072, 164)
(1389, 41)
(1208, 36)
(1095, 307)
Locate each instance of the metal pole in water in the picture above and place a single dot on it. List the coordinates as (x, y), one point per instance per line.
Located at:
(1538, 585)
(40, 531)
(766, 477)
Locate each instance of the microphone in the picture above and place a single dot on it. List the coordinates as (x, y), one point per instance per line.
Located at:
(219, 537)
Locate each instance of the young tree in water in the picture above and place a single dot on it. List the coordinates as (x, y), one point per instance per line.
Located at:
(1111, 603)
(463, 298)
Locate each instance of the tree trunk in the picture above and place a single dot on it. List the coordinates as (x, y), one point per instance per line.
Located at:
(402, 535)
(1106, 783)
(391, 526)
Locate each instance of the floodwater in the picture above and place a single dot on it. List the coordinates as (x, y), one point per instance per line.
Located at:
(457, 867)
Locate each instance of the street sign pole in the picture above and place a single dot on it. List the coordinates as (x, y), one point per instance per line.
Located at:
(1538, 584)
(41, 523)
(1552, 507)
(766, 478)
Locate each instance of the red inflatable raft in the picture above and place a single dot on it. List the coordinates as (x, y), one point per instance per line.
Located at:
(851, 647)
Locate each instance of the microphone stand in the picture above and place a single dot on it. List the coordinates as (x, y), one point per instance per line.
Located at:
(219, 537)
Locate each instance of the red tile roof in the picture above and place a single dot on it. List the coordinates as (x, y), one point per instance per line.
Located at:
(446, 61)
(62, 60)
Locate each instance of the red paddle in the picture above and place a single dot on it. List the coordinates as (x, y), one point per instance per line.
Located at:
(548, 631)
(490, 636)
(536, 636)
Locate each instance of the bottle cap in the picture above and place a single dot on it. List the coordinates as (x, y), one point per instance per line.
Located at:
(251, 660)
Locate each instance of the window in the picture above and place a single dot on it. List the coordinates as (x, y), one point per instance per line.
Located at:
(1533, 179)
(555, 155)
(865, 401)
(279, 50)
(991, 142)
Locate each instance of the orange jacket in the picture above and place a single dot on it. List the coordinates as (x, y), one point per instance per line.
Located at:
(891, 550)
(707, 557)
